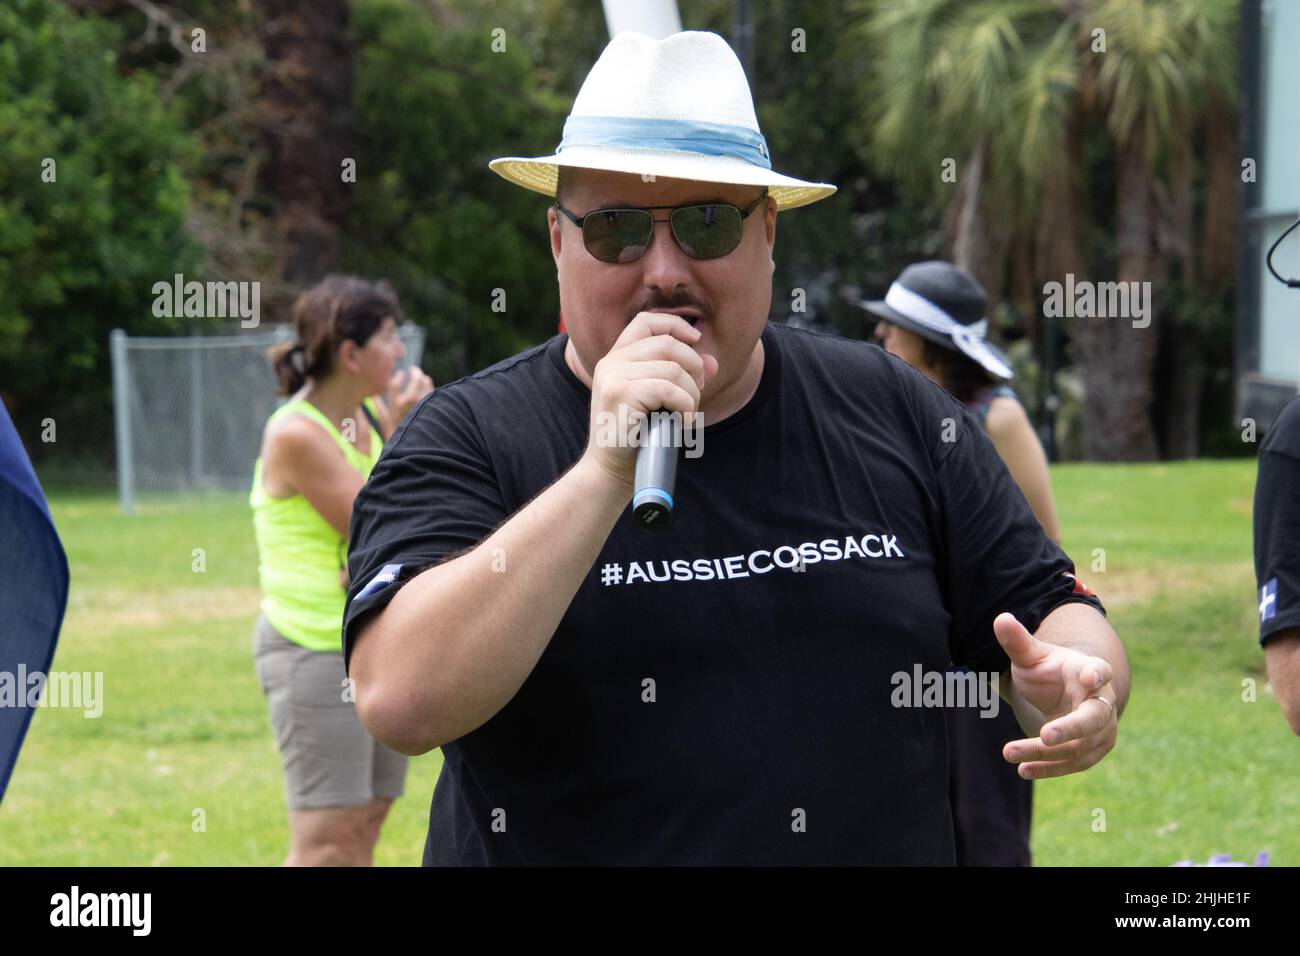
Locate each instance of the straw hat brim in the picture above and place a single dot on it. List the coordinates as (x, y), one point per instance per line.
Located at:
(539, 173)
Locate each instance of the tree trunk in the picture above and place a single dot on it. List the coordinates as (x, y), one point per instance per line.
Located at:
(1063, 221)
(1119, 359)
(1058, 253)
(978, 244)
(305, 102)
(1180, 364)
(1186, 378)
(1206, 273)
(1222, 180)
(1025, 294)
(969, 239)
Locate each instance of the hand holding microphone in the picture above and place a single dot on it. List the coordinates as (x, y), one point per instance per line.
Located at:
(650, 368)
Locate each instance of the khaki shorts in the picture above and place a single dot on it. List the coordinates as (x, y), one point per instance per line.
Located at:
(329, 759)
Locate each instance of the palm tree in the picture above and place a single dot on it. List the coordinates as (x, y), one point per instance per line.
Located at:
(1012, 87)
(991, 84)
(1165, 61)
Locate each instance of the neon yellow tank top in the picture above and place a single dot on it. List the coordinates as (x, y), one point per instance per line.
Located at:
(299, 553)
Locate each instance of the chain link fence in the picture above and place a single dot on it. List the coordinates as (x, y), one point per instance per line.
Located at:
(188, 412)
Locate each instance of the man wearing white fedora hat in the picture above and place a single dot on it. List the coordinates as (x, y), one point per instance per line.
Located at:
(725, 690)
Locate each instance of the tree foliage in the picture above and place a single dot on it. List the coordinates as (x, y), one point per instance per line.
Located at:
(79, 253)
(1079, 128)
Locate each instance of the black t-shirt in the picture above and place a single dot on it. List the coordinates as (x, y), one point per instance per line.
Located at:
(851, 522)
(1277, 524)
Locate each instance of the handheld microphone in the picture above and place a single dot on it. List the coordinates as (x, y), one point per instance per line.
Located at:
(656, 473)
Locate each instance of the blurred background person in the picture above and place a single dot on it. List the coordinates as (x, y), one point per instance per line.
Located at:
(934, 318)
(317, 450)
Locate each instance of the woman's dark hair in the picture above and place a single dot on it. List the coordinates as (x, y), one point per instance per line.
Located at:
(959, 374)
(336, 309)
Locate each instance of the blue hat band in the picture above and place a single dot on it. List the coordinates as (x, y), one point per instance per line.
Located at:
(688, 136)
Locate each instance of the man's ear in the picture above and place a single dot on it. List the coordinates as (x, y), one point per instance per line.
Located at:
(553, 222)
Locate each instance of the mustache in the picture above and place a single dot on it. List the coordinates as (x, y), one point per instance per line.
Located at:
(663, 303)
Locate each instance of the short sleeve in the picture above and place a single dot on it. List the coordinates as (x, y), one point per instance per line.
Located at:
(1277, 542)
(995, 556)
(433, 494)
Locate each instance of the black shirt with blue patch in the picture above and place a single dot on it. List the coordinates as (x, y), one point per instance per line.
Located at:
(1277, 524)
(722, 691)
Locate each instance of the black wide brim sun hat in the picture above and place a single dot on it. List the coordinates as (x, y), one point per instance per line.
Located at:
(943, 304)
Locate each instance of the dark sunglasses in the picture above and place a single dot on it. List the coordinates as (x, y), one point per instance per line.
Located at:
(707, 231)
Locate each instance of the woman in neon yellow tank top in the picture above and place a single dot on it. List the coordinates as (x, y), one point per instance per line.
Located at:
(317, 451)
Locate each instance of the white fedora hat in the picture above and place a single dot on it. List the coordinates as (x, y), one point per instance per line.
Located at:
(678, 107)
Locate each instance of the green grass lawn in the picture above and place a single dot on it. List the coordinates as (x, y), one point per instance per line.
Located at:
(185, 726)
(1197, 770)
